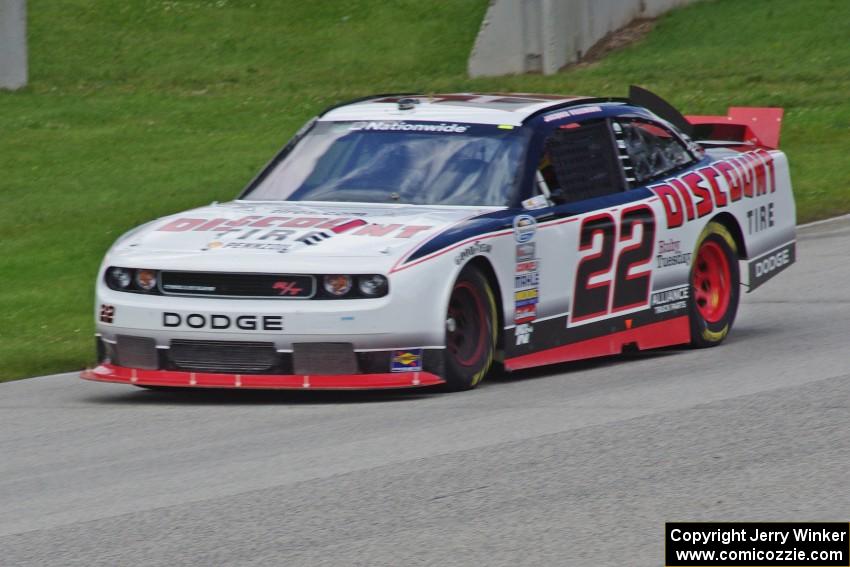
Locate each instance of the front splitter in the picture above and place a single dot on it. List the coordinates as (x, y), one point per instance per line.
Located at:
(182, 379)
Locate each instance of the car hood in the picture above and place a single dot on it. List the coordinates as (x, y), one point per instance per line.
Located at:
(251, 235)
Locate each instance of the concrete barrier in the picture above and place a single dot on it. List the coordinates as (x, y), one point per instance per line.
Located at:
(522, 36)
(13, 44)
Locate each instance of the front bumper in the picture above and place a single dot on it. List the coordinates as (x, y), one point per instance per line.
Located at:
(217, 364)
(394, 341)
(107, 372)
(370, 324)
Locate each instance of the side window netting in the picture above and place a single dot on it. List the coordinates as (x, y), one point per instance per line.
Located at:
(584, 161)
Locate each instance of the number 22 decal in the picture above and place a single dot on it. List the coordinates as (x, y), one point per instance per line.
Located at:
(629, 287)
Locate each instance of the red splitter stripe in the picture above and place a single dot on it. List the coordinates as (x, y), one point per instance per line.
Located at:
(140, 377)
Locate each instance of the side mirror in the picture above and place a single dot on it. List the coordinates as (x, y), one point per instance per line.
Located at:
(536, 202)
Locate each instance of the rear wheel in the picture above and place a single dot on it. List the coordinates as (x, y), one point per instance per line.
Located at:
(470, 331)
(715, 286)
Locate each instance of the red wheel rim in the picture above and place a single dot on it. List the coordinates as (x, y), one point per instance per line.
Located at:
(468, 339)
(711, 282)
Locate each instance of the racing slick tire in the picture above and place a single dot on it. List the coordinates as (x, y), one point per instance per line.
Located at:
(470, 331)
(715, 286)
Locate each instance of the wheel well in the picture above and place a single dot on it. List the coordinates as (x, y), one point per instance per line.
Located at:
(486, 268)
(731, 224)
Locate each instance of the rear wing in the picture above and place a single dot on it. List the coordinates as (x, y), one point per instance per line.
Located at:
(743, 125)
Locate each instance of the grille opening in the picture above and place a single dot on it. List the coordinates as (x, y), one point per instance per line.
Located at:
(136, 352)
(234, 357)
(324, 358)
(238, 285)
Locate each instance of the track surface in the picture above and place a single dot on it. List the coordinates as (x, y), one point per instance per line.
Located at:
(570, 465)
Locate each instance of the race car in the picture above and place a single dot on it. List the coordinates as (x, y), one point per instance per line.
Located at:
(413, 240)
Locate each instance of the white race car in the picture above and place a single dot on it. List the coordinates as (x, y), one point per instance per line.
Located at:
(412, 240)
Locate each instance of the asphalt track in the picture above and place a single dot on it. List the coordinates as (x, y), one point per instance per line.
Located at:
(572, 465)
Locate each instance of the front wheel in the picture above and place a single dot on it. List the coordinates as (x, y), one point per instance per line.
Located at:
(715, 286)
(470, 331)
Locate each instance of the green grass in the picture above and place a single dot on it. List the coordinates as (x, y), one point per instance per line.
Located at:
(141, 108)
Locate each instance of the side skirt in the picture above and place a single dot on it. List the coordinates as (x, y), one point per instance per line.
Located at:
(670, 332)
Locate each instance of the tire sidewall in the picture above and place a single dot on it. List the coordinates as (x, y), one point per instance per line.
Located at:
(705, 333)
(460, 377)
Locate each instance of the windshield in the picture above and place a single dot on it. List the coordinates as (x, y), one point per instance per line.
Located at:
(422, 163)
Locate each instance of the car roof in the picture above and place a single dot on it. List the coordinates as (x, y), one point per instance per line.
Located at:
(481, 108)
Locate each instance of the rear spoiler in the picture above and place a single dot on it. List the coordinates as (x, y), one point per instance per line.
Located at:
(742, 126)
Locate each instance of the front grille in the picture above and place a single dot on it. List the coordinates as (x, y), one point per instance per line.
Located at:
(223, 356)
(324, 358)
(136, 352)
(282, 286)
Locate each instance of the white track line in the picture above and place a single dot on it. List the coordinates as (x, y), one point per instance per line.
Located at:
(824, 221)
